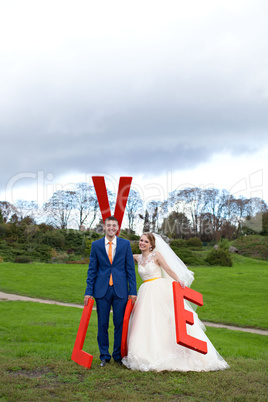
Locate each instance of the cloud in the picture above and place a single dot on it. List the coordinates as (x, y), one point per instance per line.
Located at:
(131, 89)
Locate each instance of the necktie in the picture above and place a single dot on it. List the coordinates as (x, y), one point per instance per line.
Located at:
(110, 256)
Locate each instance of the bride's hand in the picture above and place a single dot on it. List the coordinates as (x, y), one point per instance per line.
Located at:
(181, 283)
(133, 298)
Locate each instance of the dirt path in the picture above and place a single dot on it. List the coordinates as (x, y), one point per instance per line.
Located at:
(12, 297)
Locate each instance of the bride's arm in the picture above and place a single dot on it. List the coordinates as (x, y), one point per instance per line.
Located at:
(161, 261)
(135, 256)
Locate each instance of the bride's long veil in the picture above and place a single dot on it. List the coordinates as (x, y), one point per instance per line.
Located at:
(180, 269)
(173, 261)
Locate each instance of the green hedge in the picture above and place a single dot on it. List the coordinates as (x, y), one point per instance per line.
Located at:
(219, 257)
(187, 256)
(43, 243)
(192, 243)
(23, 259)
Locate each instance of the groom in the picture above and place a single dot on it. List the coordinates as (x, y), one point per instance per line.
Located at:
(111, 280)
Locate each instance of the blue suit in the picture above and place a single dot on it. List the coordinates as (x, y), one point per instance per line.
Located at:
(124, 284)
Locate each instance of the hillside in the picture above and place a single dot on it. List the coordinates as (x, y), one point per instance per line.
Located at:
(253, 246)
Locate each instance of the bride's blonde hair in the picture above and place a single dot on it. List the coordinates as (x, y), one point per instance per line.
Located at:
(151, 238)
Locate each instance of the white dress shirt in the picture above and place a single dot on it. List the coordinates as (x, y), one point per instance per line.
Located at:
(113, 246)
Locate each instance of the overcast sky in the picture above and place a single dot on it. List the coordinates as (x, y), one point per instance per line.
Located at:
(170, 92)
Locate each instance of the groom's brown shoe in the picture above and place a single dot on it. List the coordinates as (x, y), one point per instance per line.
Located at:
(104, 362)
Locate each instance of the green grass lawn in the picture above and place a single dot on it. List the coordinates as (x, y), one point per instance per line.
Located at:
(232, 295)
(36, 343)
(36, 340)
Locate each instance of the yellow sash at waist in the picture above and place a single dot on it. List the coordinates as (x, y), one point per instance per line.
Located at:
(153, 279)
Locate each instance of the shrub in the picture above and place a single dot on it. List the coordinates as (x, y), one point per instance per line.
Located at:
(187, 256)
(12, 243)
(129, 235)
(40, 252)
(61, 257)
(1, 259)
(87, 249)
(135, 247)
(23, 259)
(132, 236)
(194, 242)
(224, 244)
(74, 240)
(54, 239)
(95, 235)
(6, 252)
(2, 230)
(178, 243)
(219, 257)
(53, 253)
(43, 227)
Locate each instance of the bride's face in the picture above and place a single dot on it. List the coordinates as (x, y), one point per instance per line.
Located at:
(144, 244)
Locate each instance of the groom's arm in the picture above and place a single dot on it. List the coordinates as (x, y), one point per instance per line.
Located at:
(91, 273)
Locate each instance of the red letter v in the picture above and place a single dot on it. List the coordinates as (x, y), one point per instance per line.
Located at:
(121, 201)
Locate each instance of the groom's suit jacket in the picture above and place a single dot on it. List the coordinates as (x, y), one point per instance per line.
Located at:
(100, 268)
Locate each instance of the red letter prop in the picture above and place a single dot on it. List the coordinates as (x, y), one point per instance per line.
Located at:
(128, 311)
(78, 355)
(121, 201)
(183, 317)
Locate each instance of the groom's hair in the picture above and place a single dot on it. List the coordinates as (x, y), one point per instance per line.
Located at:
(111, 218)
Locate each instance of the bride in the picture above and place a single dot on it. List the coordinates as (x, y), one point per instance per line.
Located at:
(152, 335)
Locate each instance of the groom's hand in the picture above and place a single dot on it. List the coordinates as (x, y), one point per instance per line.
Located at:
(133, 298)
(86, 298)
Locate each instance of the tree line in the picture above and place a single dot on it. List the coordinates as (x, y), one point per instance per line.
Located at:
(209, 214)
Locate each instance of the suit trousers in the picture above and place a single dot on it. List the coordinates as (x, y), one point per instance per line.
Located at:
(103, 310)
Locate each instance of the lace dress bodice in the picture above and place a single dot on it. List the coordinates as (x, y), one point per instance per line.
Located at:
(148, 269)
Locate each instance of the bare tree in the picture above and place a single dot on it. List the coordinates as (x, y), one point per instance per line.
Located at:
(240, 207)
(190, 202)
(154, 210)
(226, 208)
(86, 203)
(146, 224)
(175, 201)
(214, 201)
(133, 208)
(26, 208)
(7, 210)
(59, 208)
(208, 223)
(256, 206)
(193, 201)
(96, 211)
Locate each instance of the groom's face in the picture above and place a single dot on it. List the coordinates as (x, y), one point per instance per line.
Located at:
(110, 228)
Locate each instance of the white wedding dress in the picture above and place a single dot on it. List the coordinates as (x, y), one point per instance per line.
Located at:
(152, 335)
